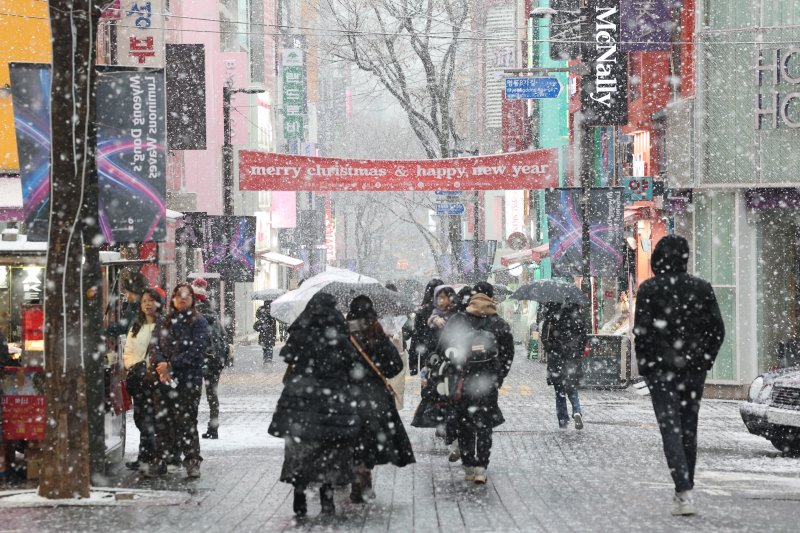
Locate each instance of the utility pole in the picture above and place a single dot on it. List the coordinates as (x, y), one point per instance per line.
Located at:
(227, 196)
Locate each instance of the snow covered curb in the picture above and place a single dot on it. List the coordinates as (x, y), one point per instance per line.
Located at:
(98, 497)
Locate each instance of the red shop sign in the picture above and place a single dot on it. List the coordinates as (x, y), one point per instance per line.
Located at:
(263, 171)
(23, 404)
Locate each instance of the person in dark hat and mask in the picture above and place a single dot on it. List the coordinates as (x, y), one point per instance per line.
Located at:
(678, 331)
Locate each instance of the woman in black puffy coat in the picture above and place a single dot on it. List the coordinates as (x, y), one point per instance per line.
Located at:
(316, 413)
(383, 439)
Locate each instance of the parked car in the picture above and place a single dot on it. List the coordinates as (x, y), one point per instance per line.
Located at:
(772, 409)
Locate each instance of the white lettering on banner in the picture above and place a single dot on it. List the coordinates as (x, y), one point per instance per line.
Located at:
(153, 171)
(605, 82)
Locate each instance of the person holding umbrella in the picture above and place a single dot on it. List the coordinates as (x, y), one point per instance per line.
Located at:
(564, 339)
(563, 335)
(267, 329)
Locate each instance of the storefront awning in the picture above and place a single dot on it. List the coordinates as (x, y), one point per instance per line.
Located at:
(533, 255)
(285, 260)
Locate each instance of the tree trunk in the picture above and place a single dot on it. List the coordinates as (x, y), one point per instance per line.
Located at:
(65, 470)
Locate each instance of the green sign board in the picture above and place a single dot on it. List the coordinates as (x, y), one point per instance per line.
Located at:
(293, 126)
(638, 188)
(294, 99)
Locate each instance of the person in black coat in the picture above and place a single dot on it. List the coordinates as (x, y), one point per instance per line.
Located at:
(317, 414)
(678, 332)
(216, 356)
(480, 347)
(383, 439)
(177, 355)
(564, 335)
(267, 329)
(420, 336)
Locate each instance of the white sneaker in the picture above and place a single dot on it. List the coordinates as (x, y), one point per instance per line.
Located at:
(469, 473)
(683, 504)
(578, 418)
(479, 475)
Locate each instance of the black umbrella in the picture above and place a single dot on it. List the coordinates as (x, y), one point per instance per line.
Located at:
(550, 290)
(501, 291)
(386, 302)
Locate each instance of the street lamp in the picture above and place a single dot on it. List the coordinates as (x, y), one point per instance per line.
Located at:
(227, 191)
(587, 169)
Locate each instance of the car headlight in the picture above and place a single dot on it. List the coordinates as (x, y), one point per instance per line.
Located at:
(755, 389)
(765, 394)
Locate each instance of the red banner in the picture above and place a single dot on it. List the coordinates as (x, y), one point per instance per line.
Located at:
(23, 417)
(263, 171)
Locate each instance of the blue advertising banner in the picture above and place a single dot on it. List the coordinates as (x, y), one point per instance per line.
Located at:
(229, 247)
(564, 223)
(131, 154)
(30, 96)
(647, 25)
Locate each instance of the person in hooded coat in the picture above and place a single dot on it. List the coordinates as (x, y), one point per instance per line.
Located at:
(316, 414)
(267, 329)
(564, 335)
(383, 439)
(480, 376)
(678, 332)
(420, 337)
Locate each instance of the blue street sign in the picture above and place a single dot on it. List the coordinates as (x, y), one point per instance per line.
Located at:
(445, 209)
(525, 88)
(448, 193)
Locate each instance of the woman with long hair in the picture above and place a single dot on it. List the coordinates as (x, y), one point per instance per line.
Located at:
(138, 370)
(383, 439)
(420, 337)
(182, 340)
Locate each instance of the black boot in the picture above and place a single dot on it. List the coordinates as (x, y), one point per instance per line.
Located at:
(210, 434)
(300, 506)
(326, 499)
(357, 489)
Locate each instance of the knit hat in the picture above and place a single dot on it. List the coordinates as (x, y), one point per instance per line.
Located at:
(484, 287)
(199, 287)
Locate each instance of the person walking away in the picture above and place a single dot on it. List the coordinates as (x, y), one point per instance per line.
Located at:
(216, 356)
(678, 332)
(182, 339)
(419, 342)
(316, 413)
(138, 376)
(563, 336)
(480, 347)
(267, 329)
(383, 439)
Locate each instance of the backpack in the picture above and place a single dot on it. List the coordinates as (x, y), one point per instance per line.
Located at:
(477, 346)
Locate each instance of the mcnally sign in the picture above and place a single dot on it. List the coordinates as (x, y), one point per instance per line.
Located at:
(263, 171)
(777, 73)
(604, 88)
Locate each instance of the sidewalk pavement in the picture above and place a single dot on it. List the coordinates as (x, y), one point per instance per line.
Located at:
(609, 477)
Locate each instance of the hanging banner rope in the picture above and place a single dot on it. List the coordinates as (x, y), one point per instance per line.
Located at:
(263, 171)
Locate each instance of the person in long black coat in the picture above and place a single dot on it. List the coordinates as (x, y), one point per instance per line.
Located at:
(678, 332)
(316, 414)
(564, 335)
(267, 329)
(421, 335)
(475, 403)
(383, 439)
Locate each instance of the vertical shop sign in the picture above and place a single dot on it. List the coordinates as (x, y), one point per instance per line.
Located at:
(294, 93)
(564, 222)
(330, 229)
(131, 154)
(186, 96)
(30, 95)
(140, 33)
(604, 89)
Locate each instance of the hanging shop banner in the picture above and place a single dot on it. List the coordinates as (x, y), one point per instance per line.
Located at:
(131, 154)
(30, 95)
(229, 247)
(262, 171)
(140, 33)
(647, 25)
(604, 90)
(564, 222)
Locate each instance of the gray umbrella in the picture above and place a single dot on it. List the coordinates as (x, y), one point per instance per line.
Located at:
(268, 295)
(385, 301)
(550, 290)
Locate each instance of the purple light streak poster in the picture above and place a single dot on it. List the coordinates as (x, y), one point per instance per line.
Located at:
(131, 154)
